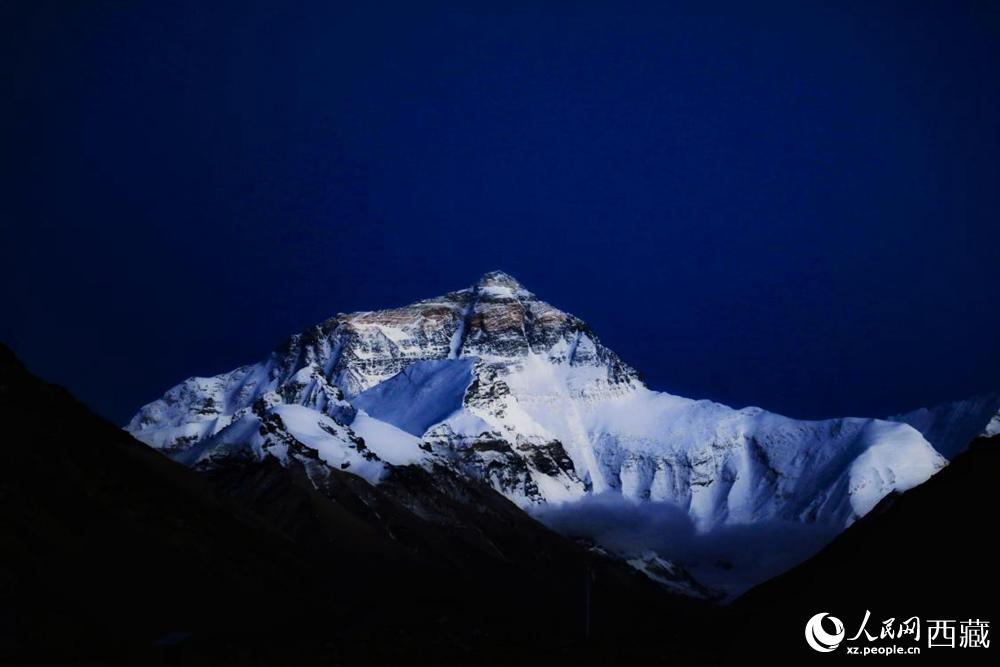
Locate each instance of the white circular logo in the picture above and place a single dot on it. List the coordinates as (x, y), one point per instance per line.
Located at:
(821, 640)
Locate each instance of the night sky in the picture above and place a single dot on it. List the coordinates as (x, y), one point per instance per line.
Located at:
(795, 205)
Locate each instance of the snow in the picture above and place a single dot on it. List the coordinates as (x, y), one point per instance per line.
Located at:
(724, 466)
(242, 433)
(392, 445)
(199, 408)
(455, 344)
(895, 459)
(329, 439)
(465, 423)
(421, 395)
(501, 292)
(556, 490)
(952, 426)
(993, 428)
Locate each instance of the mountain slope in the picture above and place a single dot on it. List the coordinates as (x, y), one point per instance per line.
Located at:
(952, 426)
(105, 543)
(498, 386)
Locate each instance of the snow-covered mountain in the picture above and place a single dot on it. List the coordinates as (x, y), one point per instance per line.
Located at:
(495, 384)
(950, 427)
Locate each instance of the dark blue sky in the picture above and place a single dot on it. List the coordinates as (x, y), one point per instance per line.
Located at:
(794, 205)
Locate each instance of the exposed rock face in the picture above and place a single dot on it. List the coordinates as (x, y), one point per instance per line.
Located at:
(497, 385)
(496, 325)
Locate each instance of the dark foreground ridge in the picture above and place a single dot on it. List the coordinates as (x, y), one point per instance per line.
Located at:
(110, 551)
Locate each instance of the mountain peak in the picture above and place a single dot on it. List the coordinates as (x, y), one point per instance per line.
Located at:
(499, 279)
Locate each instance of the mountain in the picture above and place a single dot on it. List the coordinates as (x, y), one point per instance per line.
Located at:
(950, 427)
(109, 551)
(495, 385)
